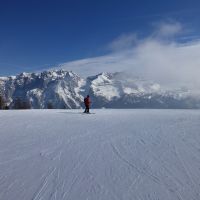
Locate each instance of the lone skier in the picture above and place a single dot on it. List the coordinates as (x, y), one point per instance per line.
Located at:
(87, 103)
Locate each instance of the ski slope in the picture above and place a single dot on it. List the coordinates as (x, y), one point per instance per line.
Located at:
(110, 155)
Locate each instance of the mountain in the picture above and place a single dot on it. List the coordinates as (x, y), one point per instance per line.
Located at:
(60, 88)
(64, 89)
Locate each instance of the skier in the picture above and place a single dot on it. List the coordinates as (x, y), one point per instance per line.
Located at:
(87, 103)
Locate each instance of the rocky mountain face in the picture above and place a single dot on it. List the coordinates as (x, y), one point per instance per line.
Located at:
(64, 89)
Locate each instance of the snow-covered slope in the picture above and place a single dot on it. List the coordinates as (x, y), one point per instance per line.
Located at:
(113, 154)
(63, 89)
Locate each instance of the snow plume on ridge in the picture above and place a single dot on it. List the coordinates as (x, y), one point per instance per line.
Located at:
(158, 57)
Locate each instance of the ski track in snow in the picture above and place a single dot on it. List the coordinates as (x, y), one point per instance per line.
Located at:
(114, 154)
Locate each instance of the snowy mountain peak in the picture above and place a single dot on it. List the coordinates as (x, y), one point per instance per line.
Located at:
(57, 74)
(24, 74)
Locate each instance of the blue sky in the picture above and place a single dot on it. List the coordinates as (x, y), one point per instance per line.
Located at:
(37, 34)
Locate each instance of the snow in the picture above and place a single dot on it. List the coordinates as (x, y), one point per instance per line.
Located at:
(103, 86)
(106, 91)
(113, 154)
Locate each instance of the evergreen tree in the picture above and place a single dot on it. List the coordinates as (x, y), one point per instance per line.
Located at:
(49, 105)
(2, 102)
(18, 103)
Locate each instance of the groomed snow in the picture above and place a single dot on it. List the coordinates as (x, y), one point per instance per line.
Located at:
(113, 154)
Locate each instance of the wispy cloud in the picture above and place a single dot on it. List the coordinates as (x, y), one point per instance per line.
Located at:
(158, 57)
(123, 42)
(168, 29)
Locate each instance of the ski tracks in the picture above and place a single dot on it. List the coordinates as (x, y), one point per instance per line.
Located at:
(57, 184)
(140, 171)
(40, 192)
(77, 170)
(187, 173)
(142, 174)
(52, 179)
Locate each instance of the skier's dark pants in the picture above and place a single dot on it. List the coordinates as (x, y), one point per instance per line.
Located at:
(87, 109)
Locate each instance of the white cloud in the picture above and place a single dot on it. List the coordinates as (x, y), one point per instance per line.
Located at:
(169, 29)
(169, 63)
(123, 42)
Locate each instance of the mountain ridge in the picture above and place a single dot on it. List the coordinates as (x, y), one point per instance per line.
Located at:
(66, 89)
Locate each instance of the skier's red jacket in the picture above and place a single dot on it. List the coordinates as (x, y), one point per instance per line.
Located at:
(87, 101)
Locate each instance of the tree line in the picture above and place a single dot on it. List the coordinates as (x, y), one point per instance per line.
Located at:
(19, 103)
